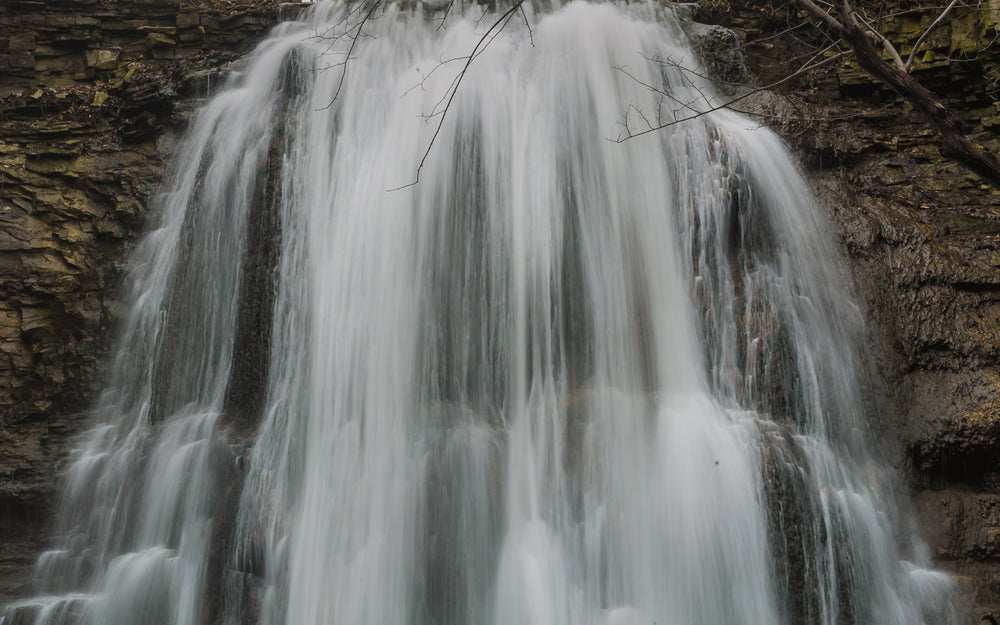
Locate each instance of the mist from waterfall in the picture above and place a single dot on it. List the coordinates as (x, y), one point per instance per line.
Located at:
(561, 380)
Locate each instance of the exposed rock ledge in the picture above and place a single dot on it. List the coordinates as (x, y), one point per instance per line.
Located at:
(923, 240)
(93, 96)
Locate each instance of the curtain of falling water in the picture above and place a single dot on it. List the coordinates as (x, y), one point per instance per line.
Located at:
(560, 381)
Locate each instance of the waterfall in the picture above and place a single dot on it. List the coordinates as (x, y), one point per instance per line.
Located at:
(560, 380)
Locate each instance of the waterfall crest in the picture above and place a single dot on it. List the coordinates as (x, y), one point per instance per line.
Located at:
(562, 380)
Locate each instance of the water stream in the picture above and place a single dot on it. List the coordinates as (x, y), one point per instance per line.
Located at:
(561, 380)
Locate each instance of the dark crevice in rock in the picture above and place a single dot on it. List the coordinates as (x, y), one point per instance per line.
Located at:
(247, 388)
(974, 469)
(977, 287)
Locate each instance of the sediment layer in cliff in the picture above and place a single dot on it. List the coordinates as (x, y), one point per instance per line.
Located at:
(93, 97)
(923, 239)
(94, 93)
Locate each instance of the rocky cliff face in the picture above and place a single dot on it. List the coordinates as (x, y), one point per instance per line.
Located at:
(93, 96)
(94, 93)
(923, 240)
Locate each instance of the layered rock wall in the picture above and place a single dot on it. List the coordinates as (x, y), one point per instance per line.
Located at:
(94, 93)
(923, 238)
(93, 96)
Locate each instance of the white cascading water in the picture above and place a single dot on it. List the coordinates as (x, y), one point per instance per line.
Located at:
(559, 381)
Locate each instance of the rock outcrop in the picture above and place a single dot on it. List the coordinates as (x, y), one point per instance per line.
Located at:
(95, 93)
(923, 239)
(93, 97)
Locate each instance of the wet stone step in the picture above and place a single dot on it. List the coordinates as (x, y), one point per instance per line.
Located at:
(65, 610)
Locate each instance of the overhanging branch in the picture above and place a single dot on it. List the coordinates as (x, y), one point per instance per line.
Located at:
(955, 144)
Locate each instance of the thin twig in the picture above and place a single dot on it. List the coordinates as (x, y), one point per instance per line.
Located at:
(350, 51)
(444, 18)
(527, 24)
(480, 46)
(876, 35)
(934, 24)
(727, 104)
(423, 77)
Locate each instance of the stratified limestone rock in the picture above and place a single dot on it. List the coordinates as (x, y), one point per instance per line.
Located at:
(963, 528)
(80, 156)
(954, 432)
(93, 95)
(65, 42)
(24, 530)
(923, 238)
(94, 92)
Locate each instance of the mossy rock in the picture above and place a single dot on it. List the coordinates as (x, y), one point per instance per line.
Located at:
(159, 40)
(971, 224)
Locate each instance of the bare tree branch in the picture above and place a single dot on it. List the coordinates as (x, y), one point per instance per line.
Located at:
(350, 51)
(728, 104)
(484, 41)
(916, 46)
(853, 16)
(828, 20)
(444, 17)
(955, 144)
(527, 24)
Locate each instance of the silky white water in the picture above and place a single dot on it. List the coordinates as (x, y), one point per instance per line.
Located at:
(561, 380)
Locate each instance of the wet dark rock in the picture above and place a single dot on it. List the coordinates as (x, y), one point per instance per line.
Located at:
(922, 236)
(93, 95)
(24, 531)
(723, 55)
